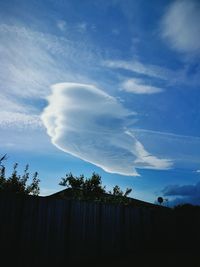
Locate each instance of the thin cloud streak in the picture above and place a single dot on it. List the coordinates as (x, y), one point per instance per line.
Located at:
(33, 60)
(168, 77)
(19, 120)
(137, 86)
(140, 68)
(182, 150)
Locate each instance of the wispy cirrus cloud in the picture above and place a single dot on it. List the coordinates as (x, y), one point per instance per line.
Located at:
(137, 86)
(182, 150)
(144, 77)
(19, 120)
(187, 75)
(140, 68)
(15, 114)
(86, 122)
(9, 103)
(34, 60)
(80, 27)
(30, 62)
(180, 26)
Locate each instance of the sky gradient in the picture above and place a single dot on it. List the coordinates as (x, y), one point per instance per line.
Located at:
(105, 86)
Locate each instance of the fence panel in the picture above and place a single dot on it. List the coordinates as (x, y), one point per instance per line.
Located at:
(55, 230)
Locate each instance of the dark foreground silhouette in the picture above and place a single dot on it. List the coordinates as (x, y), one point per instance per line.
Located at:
(39, 231)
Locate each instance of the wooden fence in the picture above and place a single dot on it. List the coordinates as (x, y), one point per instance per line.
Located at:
(52, 230)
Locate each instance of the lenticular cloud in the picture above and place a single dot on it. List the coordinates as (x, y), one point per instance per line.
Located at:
(87, 123)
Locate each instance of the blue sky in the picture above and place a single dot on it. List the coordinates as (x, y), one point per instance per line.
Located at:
(105, 86)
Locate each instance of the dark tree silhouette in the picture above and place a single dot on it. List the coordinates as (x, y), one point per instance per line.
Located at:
(91, 188)
(84, 187)
(118, 192)
(16, 183)
(3, 158)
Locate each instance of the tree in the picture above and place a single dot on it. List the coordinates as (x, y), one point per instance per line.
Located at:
(16, 183)
(118, 196)
(3, 158)
(118, 192)
(91, 188)
(127, 192)
(84, 188)
(73, 182)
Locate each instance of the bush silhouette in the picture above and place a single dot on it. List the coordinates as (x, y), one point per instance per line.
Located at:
(92, 189)
(16, 183)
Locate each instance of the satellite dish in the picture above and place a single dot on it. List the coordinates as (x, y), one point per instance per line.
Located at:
(160, 200)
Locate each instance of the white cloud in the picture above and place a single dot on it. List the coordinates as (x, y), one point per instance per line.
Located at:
(151, 161)
(182, 150)
(26, 64)
(30, 62)
(19, 120)
(86, 122)
(7, 103)
(137, 86)
(181, 76)
(198, 171)
(181, 26)
(140, 68)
